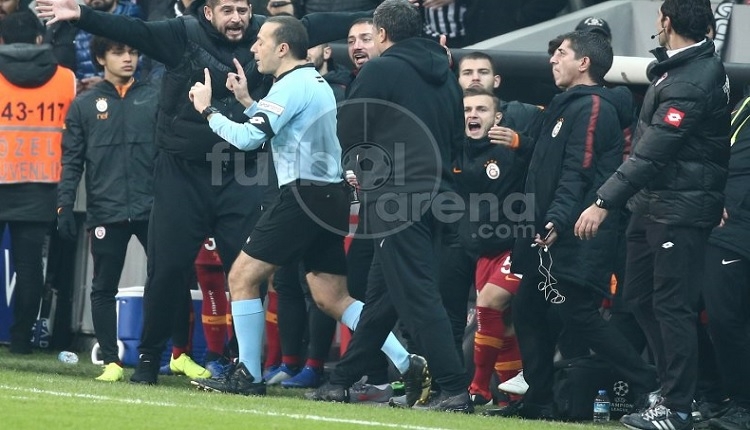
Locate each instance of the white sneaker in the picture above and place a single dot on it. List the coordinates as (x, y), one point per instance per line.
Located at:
(515, 385)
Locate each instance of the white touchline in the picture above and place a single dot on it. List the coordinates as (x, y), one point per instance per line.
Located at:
(242, 411)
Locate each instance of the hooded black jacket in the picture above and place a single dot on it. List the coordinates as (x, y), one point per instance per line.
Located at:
(678, 168)
(117, 150)
(408, 104)
(580, 145)
(186, 45)
(339, 79)
(27, 66)
(735, 234)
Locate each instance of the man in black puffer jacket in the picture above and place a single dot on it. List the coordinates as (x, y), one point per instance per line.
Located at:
(580, 145)
(202, 186)
(674, 181)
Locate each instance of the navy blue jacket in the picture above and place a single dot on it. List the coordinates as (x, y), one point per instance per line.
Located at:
(580, 145)
(113, 137)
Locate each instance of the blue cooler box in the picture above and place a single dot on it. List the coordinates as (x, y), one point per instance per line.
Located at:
(130, 326)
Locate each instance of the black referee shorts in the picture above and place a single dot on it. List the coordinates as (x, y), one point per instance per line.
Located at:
(307, 222)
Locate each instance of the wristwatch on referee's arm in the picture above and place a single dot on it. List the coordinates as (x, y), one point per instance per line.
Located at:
(208, 111)
(600, 203)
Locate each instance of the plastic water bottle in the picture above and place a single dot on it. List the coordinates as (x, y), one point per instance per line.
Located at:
(601, 407)
(68, 357)
(350, 176)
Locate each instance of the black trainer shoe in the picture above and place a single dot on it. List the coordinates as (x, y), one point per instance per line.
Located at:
(659, 417)
(479, 400)
(443, 402)
(329, 393)
(736, 418)
(147, 370)
(240, 381)
(524, 410)
(417, 380)
(704, 410)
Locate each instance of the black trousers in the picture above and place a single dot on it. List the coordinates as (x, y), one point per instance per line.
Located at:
(620, 314)
(358, 263)
(455, 282)
(109, 244)
(580, 317)
(292, 309)
(403, 284)
(662, 285)
(26, 244)
(726, 290)
(299, 319)
(192, 202)
(709, 386)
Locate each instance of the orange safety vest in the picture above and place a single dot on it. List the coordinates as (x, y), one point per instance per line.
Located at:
(31, 128)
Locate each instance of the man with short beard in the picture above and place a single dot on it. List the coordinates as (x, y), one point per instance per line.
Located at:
(361, 48)
(199, 189)
(360, 42)
(337, 76)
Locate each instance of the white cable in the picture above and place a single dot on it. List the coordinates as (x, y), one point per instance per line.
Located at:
(551, 294)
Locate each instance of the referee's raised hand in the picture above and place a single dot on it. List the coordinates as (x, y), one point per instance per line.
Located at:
(237, 84)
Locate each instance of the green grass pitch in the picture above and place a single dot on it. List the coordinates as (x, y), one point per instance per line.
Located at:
(39, 392)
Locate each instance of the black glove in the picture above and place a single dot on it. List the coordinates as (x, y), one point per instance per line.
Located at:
(66, 223)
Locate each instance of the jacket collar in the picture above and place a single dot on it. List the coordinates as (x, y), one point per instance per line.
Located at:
(664, 62)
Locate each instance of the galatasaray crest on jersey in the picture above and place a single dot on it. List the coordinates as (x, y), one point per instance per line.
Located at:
(492, 170)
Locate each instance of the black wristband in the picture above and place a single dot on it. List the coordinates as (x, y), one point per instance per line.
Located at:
(209, 111)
